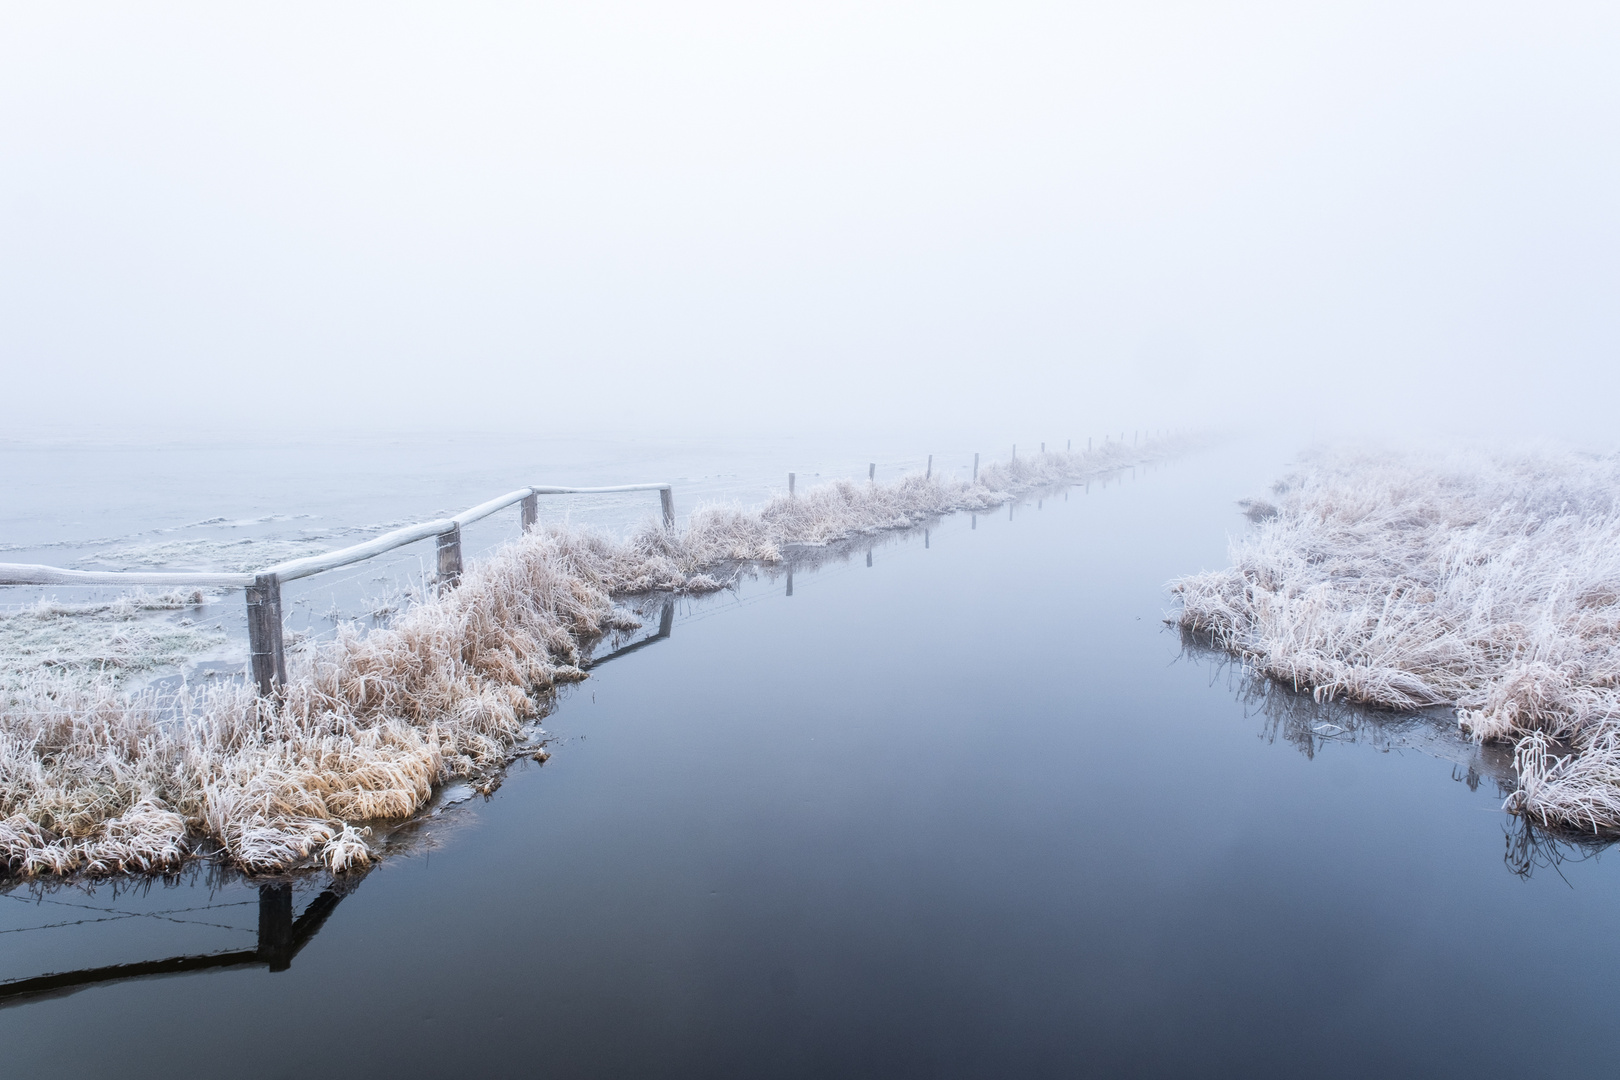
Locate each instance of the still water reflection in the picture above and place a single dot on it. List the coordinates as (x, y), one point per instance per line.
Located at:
(954, 804)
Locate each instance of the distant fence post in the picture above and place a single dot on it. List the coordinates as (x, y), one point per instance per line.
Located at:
(871, 471)
(929, 475)
(266, 655)
(666, 499)
(450, 556)
(975, 468)
(531, 512)
(790, 485)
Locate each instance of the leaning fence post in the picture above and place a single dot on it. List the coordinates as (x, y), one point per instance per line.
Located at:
(666, 499)
(266, 656)
(450, 556)
(531, 511)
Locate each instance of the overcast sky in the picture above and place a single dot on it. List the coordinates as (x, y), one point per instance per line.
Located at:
(769, 217)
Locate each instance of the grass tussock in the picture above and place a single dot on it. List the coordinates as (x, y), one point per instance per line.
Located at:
(98, 781)
(1492, 586)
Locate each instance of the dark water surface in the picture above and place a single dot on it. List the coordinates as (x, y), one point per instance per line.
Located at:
(970, 812)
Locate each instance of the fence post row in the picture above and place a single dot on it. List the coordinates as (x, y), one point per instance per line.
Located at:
(266, 656)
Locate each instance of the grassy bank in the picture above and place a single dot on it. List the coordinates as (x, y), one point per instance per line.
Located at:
(1491, 585)
(97, 780)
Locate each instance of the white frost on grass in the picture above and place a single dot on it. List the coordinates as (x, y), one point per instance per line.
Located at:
(98, 781)
(100, 643)
(1488, 584)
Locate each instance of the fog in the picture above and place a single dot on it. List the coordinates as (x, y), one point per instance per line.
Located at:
(715, 219)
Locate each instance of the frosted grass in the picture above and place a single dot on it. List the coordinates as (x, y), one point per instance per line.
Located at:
(1491, 585)
(87, 644)
(97, 781)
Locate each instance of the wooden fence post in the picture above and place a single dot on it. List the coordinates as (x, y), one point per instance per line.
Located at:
(666, 499)
(975, 468)
(531, 512)
(450, 556)
(930, 474)
(266, 656)
(790, 485)
(871, 471)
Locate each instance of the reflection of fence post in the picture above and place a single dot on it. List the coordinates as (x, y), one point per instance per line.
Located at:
(666, 499)
(790, 583)
(276, 926)
(531, 511)
(666, 618)
(265, 653)
(450, 556)
(868, 556)
(790, 485)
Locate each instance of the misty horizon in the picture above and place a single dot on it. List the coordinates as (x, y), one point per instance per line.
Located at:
(1030, 220)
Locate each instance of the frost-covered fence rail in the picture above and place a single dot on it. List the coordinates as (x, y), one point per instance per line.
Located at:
(267, 656)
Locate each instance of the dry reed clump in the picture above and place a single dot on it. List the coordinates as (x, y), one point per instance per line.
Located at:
(1489, 585)
(98, 781)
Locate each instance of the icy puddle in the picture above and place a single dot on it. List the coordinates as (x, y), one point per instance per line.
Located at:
(970, 810)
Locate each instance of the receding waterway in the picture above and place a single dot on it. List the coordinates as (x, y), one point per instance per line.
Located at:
(969, 810)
